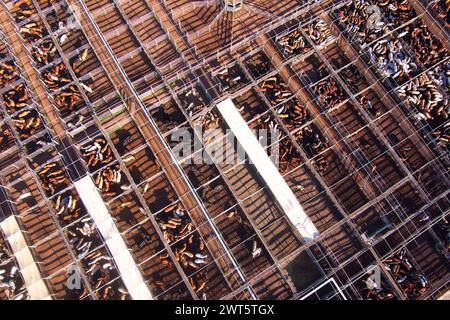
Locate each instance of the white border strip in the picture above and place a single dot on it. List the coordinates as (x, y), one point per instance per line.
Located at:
(129, 272)
(268, 171)
(28, 268)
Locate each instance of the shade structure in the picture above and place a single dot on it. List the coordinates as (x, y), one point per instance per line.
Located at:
(31, 274)
(267, 170)
(129, 272)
